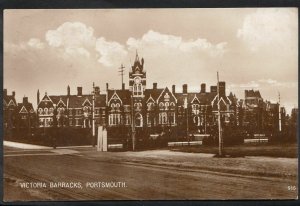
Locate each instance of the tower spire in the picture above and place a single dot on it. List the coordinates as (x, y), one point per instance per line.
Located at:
(136, 56)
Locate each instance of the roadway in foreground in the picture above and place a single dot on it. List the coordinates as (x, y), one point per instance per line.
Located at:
(103, 178)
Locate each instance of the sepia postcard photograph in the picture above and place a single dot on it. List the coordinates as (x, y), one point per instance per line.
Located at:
(150, 104)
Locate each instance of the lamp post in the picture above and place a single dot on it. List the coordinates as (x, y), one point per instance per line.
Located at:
(219, 120)
(93, 116)
(132, 125)
(187, 119)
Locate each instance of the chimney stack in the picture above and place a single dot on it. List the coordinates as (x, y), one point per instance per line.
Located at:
(222, 88)
(213, 89)
(173, 89)
(97, 90)
(106, 86)
(203, 88)
(184, 88)
(155, 85)
(123, 86)
(13, 93)
(25, 100)
(79, 91)
(68, 90)
(4, 92)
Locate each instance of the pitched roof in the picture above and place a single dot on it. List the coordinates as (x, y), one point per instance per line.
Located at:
(8, 98)
(28, 106)
(124, 95)
(252, 93)
(153, 92)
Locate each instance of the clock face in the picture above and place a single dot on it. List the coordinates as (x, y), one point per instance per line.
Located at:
(137, 80)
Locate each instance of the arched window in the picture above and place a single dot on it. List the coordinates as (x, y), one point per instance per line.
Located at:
(150, 106)
(197, 120)
(85, 109)
(138, 120)
(40, 111)
(51, 110)
(167, 106)
(139, 90)
(135, 89)
(46, 111)
(118, 106)
(161, 106)
(172, 106)
(112, 106)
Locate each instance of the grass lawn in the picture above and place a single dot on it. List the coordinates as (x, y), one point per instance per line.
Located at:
(270, 150)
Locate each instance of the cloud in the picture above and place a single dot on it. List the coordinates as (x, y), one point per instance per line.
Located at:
(156, 39)
(252, 84)
(288, 84)
(74, 37)
(36, 43)
(270, 27)
(112, 53)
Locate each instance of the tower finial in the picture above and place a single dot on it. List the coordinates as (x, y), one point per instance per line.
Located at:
(136, 55)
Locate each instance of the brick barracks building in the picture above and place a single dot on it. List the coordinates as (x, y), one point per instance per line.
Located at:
(149, 111)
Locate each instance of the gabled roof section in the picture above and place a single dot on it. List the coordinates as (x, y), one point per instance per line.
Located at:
(167, 91)
(123, 95)
(153, 92)
(78, 101)
(150, 99)
(23, 110)
(11, 103)
(61, 102)
(10, 100)
(86, 101)
(252, 93)
(195, 99)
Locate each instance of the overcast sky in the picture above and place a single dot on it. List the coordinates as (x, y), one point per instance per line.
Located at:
(251, 49)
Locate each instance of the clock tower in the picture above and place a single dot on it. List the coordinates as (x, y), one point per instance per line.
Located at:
(137, 86)
(137, 78)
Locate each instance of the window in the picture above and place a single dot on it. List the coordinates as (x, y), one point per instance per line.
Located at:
(137, 87)
(150, 106)
(51, 110)
(195, 108)
(85, 109)
(172, 106)
(172, 118)
(118, 107)
(163, 119)
(46, 111)
(70, 112)
(78, 111)
(41, 122)
(70, 122)
(77, 122)
(138, 106)
(196, 120)
(114, 119)
(127, 119)
(40, 111)
(167, 106)
(138, 120)
(161, 106)
(112, 106)
(148, 120)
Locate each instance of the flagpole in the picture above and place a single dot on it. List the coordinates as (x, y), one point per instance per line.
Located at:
(219, 120)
